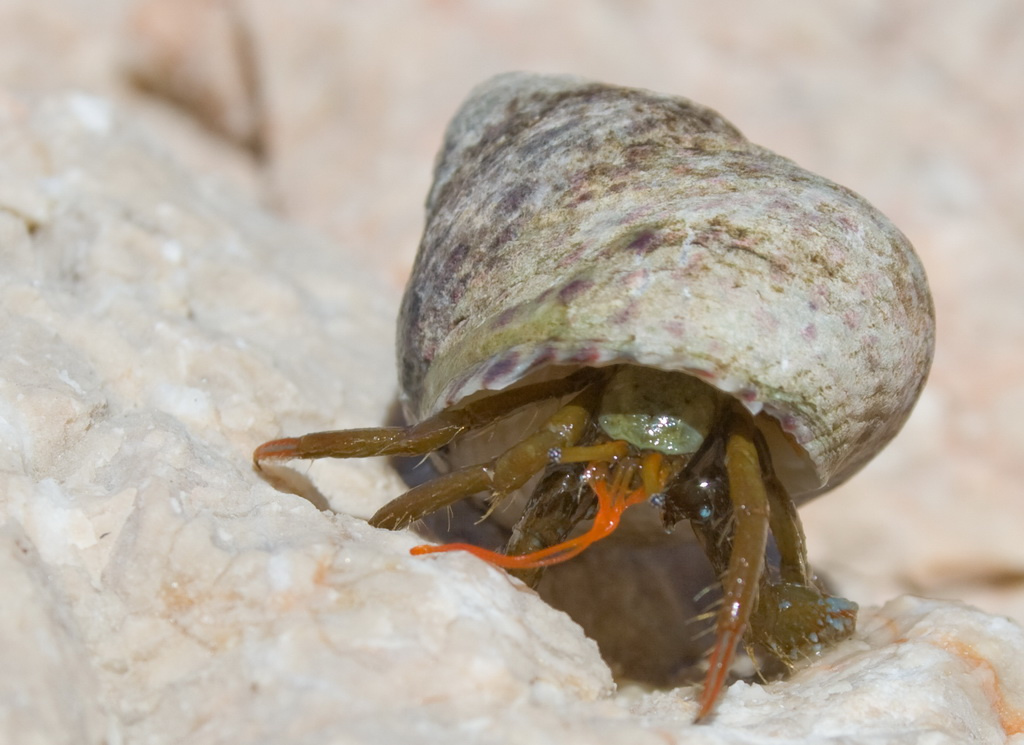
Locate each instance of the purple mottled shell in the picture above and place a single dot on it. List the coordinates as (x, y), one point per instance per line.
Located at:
(575, 223)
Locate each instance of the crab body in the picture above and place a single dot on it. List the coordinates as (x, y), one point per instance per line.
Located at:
(713, 331)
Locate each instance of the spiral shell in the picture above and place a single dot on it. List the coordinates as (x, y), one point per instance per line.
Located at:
(573, 223)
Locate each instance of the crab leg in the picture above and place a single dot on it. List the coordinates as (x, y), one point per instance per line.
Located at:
(784, 521)
(422, 438)
(750, 507)
(504, 474)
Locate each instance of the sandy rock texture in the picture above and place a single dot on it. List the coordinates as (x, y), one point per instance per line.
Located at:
(158, 324)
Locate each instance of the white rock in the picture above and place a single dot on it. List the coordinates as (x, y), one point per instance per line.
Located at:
(918, 671)
(153, 331)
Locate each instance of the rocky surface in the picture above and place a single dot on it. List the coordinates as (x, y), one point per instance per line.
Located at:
(158, 324)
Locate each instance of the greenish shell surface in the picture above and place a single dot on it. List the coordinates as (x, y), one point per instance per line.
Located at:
(575, 223)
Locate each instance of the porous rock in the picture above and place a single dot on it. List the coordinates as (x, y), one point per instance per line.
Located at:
(158, 590)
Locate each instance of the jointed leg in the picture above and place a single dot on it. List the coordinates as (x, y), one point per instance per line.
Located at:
(794, 618)
(422, 438)
(788, 615)
(785, 523)
(503, 475)
(746, 562)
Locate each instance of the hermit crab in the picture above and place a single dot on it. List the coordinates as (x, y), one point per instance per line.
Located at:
(636, 306)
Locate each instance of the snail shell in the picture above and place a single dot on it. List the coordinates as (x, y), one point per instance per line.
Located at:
(573, 223)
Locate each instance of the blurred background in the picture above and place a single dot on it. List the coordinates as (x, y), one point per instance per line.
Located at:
(329, 113)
